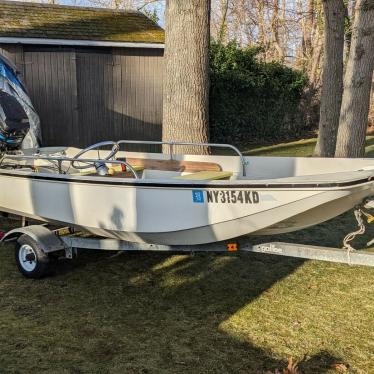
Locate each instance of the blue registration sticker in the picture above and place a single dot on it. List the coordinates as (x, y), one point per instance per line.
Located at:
(197, 196)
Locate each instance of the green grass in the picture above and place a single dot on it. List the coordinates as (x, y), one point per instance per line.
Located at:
(301, 148)
(164, 313)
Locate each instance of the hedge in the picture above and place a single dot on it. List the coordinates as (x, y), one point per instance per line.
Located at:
(252, 100)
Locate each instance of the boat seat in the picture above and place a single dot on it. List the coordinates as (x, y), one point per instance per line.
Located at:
(206, 175)
(173, 165)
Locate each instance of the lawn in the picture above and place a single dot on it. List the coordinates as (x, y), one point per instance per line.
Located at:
(206, 313)
(301, 148)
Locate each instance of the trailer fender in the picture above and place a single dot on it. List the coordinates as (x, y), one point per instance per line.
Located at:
(49, 242)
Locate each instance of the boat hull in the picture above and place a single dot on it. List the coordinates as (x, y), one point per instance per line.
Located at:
(175, 213)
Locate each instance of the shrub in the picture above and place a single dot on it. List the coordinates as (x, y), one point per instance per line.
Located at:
(251, 100)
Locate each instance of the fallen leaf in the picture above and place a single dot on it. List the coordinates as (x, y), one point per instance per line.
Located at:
(339, 367)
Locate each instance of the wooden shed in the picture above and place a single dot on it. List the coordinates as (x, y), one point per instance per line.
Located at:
(92, 74)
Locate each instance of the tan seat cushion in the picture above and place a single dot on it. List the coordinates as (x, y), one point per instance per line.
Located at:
(206, 175)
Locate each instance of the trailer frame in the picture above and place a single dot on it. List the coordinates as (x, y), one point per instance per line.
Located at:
(66, 242)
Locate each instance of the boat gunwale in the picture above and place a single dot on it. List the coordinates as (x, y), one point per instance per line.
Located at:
(158, 183)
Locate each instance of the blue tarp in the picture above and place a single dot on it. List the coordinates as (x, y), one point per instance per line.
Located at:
(7, 73)
(12, 85)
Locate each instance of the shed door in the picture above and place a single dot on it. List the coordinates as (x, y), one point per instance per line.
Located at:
(138, 94)
(119, 94)
(50, 77)
(95, 95)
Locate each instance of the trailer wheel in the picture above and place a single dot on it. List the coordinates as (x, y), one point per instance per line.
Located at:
(31, 261)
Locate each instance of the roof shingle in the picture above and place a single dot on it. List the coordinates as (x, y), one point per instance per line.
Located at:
(33, 20)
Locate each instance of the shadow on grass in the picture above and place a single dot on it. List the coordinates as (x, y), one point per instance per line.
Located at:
(159, 304)
(141, 313)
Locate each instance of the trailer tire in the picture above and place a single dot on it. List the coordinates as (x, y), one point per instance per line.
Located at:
(31, 261)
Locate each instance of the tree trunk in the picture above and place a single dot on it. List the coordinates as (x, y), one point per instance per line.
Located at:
(332, 78)
(308, 31)
(275, 31)
(186, 82)
(314, 71)
(262, 39)
(371, 110)
(223, 26)
(357, 84)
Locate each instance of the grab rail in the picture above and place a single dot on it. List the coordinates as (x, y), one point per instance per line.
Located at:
(60, 160)
(172, 144)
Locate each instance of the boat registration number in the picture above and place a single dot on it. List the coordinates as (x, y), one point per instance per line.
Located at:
(226, 196)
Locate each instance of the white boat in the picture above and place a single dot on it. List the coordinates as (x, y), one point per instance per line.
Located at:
(176, 199)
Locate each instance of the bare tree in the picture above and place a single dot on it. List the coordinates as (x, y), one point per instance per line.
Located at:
(357, 84)
(186, 79)
(371, 111)
(349, 16)
(223, 23)
(275, 27)
(124, 4)
(332, 78)
(310, 21)
(262, 34)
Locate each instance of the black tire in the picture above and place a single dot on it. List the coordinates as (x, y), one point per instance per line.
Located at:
(39, 264)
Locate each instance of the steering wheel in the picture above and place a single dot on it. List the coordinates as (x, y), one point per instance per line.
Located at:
(77, 157)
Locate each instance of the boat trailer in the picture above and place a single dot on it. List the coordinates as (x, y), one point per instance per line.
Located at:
(38, 247)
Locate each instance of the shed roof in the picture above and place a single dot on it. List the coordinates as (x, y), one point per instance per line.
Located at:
(46, 21)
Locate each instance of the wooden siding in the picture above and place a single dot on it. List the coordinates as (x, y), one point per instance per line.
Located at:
(137, 103)
(86, 95)
(50, 80)
(93, 82)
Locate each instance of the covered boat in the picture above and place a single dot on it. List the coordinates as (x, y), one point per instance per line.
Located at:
(19, 122)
